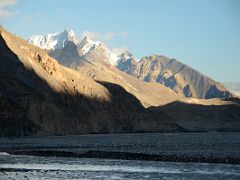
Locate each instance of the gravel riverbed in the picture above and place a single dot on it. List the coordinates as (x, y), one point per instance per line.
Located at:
(184, 147)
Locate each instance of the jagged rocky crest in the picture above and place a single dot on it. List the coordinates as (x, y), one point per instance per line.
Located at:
(54, 41)
(181, 78)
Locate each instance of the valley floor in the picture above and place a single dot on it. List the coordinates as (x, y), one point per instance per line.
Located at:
(120, 156)
(210, 147)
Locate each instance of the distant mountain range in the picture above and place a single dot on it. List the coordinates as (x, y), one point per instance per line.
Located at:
(39, 96)
(182, 79)
(234, 87)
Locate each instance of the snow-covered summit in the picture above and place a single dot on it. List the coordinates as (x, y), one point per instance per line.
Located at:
(88, 49)
(86, 44)
(53, 41)
(98, 50)
(126, 55)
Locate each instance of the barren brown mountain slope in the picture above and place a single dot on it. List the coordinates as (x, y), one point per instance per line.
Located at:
(38, 96)
(149, 93)
(175, 75)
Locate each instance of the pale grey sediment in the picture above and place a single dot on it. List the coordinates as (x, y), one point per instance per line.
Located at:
(183, 147)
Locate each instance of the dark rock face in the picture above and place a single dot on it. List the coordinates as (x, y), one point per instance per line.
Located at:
(214, 92)
(187, 91)
(128, 66)
(14, 120)
(173, 74)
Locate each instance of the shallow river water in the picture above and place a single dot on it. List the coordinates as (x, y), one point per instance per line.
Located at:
(32, 167)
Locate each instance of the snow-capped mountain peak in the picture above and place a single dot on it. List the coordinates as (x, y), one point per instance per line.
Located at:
(53, 41)
(88, 48)
(86, 44)
(97, 48)
(126, 55)
(71, 35)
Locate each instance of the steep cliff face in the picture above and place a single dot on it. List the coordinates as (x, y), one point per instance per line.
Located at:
(181, 78)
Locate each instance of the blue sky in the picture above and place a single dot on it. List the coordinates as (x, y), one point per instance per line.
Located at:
(204, 34)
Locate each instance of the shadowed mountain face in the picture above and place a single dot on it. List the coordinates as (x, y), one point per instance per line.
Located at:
(38, 96)
(202, 117)
(179, 77)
